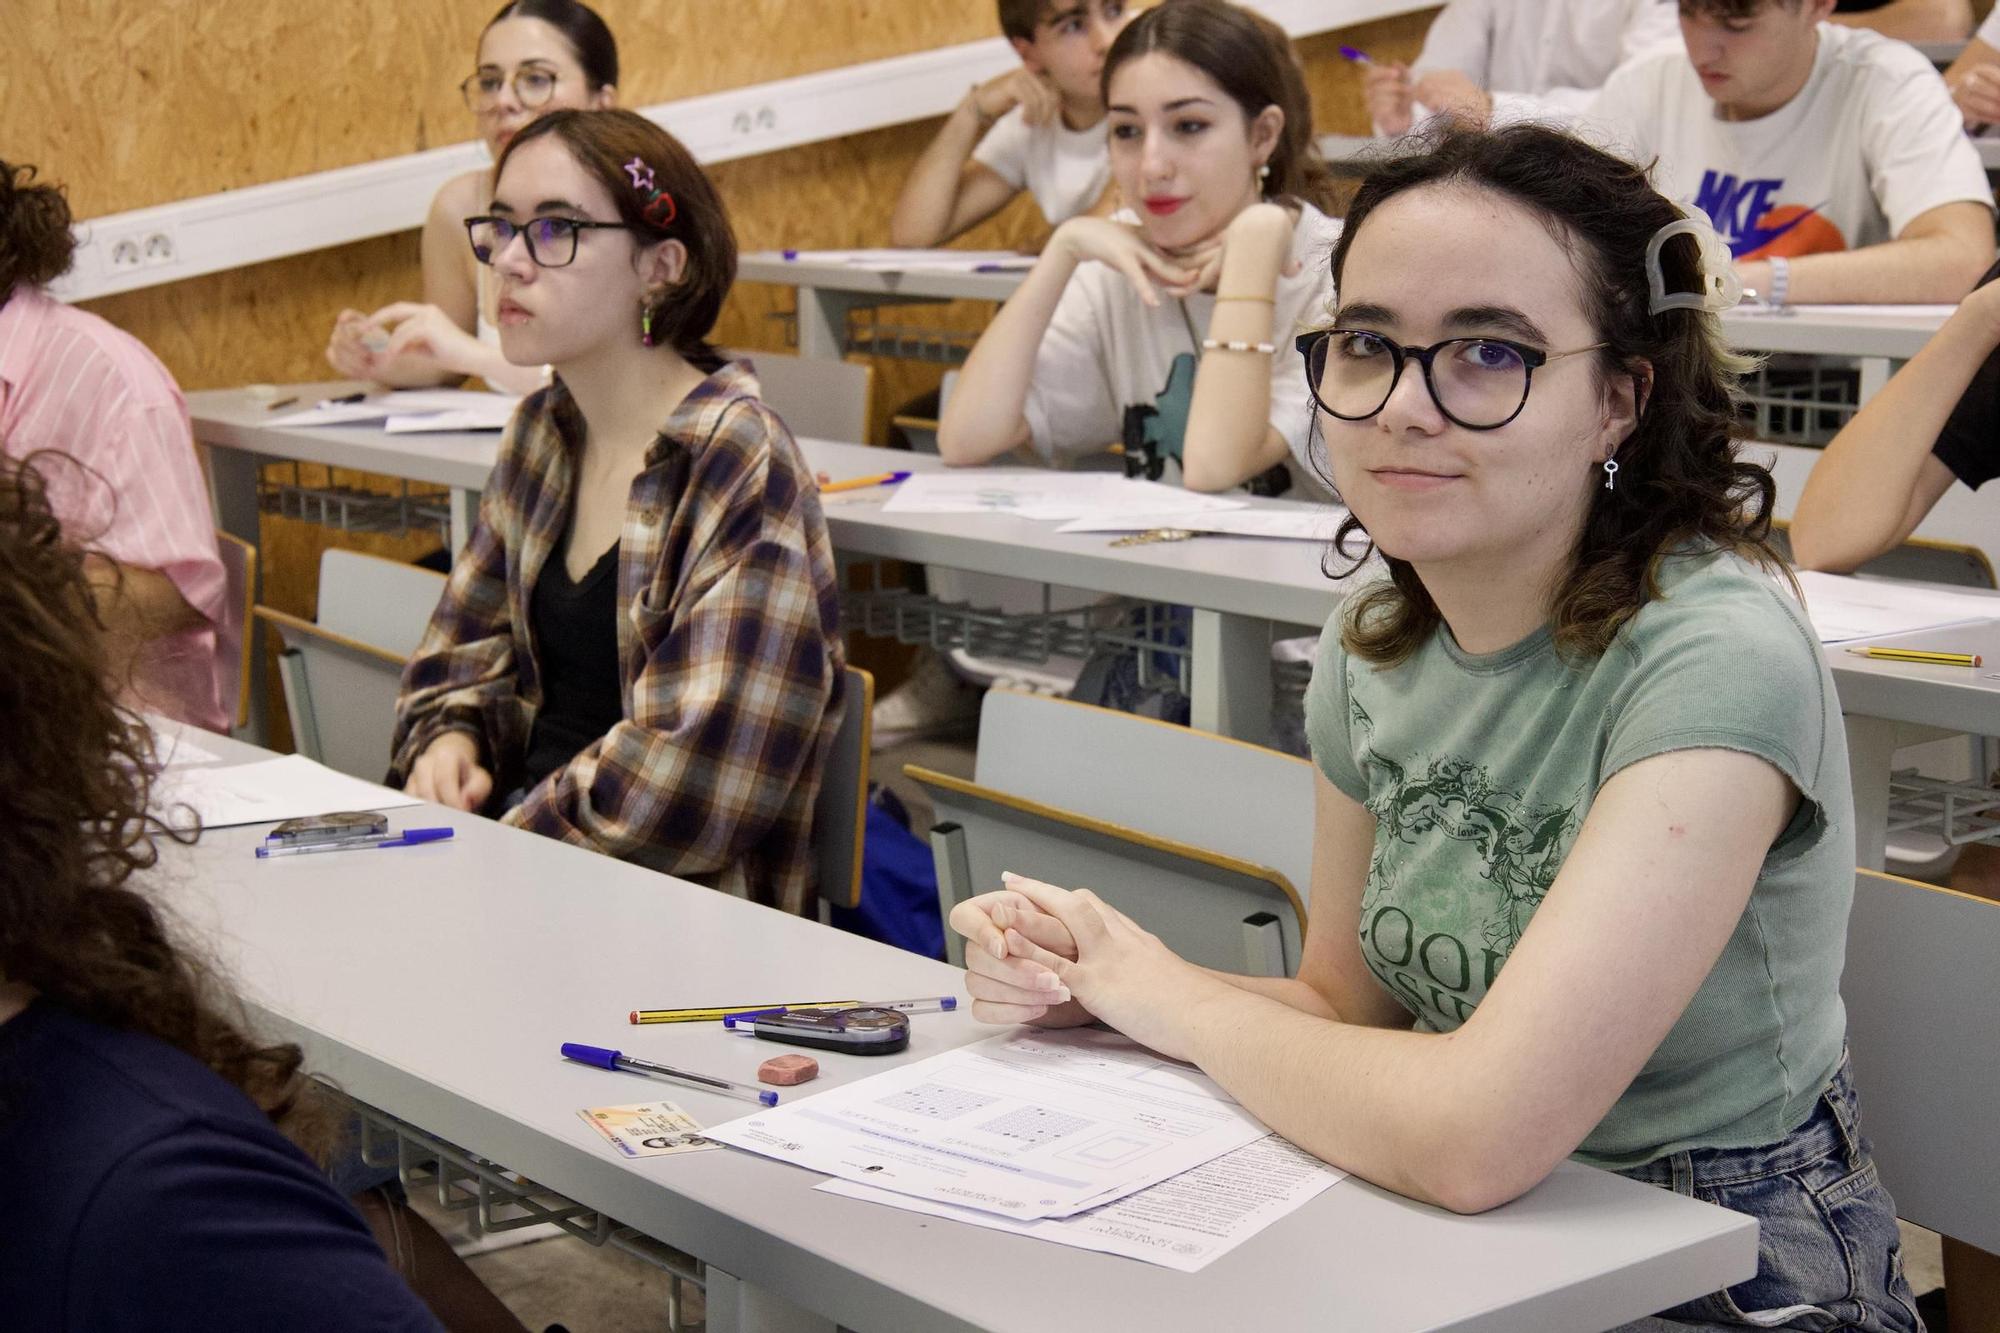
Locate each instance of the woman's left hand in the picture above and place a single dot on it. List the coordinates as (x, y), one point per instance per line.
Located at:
(1203, 261)
(1122, 974)
(423, 341)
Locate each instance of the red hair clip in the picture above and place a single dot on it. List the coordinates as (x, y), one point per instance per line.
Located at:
(658, 210)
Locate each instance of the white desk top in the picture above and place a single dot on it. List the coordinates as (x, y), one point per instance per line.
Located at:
(772, 266)
(436, 983)
(1849, 332)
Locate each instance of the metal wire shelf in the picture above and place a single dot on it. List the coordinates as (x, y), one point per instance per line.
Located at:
(355, 508)
(1959, 812)
(502, 1200)
(1796, 400)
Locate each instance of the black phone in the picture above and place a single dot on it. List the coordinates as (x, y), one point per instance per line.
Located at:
(855, 1031)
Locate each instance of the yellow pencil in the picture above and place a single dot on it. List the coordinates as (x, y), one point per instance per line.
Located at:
(714, 1015)
(1919, 655)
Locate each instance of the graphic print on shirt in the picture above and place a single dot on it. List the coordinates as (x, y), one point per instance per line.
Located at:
(1459, 866)
(1758, 223)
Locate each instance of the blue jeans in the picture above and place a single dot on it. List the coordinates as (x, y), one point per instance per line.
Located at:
(1828, 1253)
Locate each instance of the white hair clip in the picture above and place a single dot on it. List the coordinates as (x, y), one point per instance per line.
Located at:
(1721, 287)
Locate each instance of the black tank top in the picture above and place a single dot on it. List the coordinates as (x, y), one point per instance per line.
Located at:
(576, 633)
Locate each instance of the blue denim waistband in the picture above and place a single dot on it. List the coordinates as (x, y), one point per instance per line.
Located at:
(1833, 1128)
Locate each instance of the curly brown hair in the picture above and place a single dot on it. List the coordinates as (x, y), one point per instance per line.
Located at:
(1681, 484)
(76, 776)
(36, 244)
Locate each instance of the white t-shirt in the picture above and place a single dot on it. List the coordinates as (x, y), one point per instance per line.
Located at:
(1869, 144)
(1066, 170)
(1989, 28)
(1106, 350)
(1538, 56)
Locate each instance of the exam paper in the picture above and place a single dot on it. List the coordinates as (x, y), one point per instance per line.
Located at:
(1843, 608)
(172, 747)
(1047, 496)
(1184, 1223)
(408, 406)
(1026, 1124)
(269, 790)
(947, 261)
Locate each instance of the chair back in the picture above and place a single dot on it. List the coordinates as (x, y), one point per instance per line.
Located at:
(1918, 986)
(1215, 910)
(817, 398)
(1918, 559)
(1227, 796)
(384, 603)
(840, 813)
(232, 638)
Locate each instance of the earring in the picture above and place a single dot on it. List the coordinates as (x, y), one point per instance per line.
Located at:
(646, 324)
(1263, 175)
(1610, 474)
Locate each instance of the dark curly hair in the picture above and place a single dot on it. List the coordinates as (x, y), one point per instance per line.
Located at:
(1681, 484)
(76, 775)
(36, 244)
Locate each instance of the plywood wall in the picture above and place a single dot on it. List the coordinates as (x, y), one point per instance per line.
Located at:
(133, 103)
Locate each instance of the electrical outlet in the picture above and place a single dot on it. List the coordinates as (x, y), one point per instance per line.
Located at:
(159, 249)
(767, 117)
(126, 254)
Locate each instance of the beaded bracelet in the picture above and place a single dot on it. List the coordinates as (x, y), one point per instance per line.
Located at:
(1212, 345)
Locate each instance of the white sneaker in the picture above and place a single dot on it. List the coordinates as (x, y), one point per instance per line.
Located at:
(934, 701)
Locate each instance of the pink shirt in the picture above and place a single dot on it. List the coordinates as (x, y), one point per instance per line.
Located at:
(72, 383)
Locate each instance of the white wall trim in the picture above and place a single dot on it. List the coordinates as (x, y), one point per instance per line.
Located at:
(147, 247)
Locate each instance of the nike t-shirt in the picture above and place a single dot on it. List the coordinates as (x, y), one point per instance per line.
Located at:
(1481, 769)
(1872, 142)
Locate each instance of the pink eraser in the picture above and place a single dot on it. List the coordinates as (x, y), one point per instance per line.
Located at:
(785, 1070)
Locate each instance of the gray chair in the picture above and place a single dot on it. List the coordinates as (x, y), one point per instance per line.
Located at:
(840, 813)
(1126, 806)
(342, 672)
(818, 399)
(1920, 965)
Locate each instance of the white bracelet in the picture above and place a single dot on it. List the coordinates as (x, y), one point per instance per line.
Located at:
(1781, 279)
(1211, 345)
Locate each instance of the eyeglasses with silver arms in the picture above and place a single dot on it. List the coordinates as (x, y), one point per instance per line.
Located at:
(533, 86)
(551, 241)
(1478, 383)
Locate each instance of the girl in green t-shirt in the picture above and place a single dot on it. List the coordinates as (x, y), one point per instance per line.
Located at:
(1583, 850)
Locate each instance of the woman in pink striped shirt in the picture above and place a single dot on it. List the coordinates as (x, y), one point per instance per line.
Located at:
(116, 450)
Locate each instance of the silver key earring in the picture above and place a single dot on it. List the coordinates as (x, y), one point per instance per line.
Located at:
(1610, 474)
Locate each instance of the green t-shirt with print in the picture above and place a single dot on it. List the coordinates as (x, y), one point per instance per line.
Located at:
(1480, 771)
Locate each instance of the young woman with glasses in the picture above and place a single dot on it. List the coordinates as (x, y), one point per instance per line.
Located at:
(534, 56)
(1583, 846)
(638, 650)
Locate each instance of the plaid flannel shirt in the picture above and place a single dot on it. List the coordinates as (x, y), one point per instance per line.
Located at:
(728, 640)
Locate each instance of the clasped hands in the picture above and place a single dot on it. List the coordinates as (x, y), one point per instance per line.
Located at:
(1183, 272)
(1053, 957)
(407, 342)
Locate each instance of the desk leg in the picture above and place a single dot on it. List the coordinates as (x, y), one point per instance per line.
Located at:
(1871, 752)
(1875, 372)
(735, 1306)
(823, 321)
(232, 480)
(464, 510)
(1232, 676)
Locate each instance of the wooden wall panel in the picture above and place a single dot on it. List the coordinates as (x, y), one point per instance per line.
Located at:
(157, 106)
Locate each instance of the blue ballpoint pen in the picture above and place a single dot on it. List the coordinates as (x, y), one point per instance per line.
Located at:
(409, 837)
(605, 1058)
(1358, 56)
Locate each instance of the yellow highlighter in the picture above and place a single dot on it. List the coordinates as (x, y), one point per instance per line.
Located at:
(714, 1013)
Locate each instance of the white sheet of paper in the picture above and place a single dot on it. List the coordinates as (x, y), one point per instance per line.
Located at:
(1045, 495)
(174, 747)
(1184, 1223)
(1843, 609)
(961, 261)
(480, 416)
(1026, 1124)
(405, 403)
(266, 791)
(1301, 524)
(339, 414)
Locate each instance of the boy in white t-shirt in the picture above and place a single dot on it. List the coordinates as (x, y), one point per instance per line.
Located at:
(1830, 158)
(1974, 78)
(1501, 60)
(1039, 128)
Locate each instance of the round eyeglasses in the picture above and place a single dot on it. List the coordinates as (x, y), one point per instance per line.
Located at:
(533, 86)
(551, 242)
(1478, 383)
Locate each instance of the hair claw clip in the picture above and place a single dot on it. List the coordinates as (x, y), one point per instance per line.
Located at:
(1721, 286)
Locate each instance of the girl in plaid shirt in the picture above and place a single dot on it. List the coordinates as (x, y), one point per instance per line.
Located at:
(640, 643)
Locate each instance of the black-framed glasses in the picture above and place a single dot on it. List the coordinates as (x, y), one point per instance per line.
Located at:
(1478, 383)
(551, 242)
(533, 86)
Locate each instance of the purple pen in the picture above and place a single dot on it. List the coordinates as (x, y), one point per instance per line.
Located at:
(605, 1058)
(1359, 57)
(409, 837)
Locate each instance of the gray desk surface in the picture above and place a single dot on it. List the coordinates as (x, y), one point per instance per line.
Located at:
(1953, 698)
(437, 983)
(1802, 329)
(232, 419)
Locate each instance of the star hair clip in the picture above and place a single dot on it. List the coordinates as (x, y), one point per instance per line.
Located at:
(659, 210)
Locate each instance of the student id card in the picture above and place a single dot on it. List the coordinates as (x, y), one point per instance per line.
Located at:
(650, 1129)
